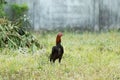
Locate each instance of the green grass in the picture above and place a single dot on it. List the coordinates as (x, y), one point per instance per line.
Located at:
(88, 56)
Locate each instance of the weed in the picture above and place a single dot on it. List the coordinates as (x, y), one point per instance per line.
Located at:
(88, 56)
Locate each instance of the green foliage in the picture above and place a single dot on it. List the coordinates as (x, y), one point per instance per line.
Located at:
(87, 56)
(2, 3)
(20, 18)
(2, 13)
(3, 21)
(19, 10)
(12, 36)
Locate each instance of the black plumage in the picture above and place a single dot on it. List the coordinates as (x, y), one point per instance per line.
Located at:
(58, 50)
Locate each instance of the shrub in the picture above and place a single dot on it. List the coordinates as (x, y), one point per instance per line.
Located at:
(19, 10)
(12, 36)
(20, 18)
(2, 3)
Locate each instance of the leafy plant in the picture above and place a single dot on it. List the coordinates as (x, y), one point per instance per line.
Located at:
(3, 21)
(20, 18)
(2, 3)
(12, 36)
(19, 10)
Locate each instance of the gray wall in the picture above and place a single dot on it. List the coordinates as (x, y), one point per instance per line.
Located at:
(94, 14)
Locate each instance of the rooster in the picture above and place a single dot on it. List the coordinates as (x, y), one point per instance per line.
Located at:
(57, 51)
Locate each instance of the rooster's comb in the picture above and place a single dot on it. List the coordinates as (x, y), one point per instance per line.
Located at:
(60, 34)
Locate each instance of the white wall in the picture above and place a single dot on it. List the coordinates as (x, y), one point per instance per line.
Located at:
(73, 13)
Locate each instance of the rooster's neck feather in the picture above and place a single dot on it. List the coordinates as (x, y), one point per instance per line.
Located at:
(58, 40)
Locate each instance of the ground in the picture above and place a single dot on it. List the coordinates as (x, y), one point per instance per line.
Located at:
(88, 56)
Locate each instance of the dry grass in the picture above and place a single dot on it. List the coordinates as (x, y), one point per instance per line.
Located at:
(87, 56)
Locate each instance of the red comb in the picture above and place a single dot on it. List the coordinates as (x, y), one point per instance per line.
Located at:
(60, 34)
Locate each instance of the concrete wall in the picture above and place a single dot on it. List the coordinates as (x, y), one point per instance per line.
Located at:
(109, 16)
(95, 14)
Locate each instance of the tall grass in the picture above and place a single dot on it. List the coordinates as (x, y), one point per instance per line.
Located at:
(88, 56)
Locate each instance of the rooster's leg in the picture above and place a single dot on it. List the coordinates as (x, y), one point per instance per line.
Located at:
(54, 60)
(60, 59)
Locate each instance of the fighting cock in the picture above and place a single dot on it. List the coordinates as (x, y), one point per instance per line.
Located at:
(57, 51)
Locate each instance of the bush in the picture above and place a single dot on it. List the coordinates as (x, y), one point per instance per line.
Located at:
(13, 33)
(20, 18)
(3, 21)
(2, 3)
(12, 36)
(19, 10)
